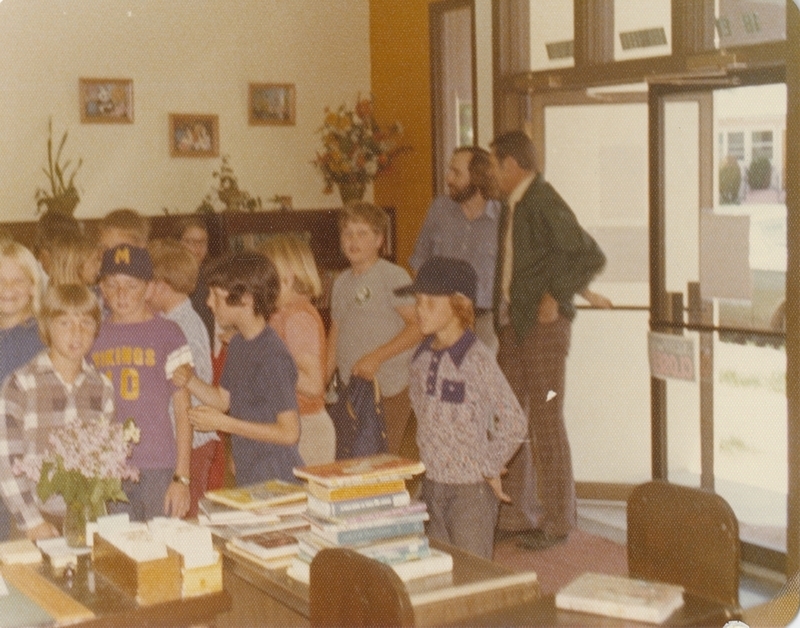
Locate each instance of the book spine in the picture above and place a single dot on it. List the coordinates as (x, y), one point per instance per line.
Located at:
(351, 506)
(356, 491)
(365, 535)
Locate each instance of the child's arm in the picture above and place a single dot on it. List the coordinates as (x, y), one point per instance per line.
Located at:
(285, 430)
(509, 430)
(330, 362)
(306, 343)
(19, 500)
(497, 488)
(410, 336)
(214, 396)
(176, 499)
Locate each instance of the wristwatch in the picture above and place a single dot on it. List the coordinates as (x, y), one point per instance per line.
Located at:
(181, 479)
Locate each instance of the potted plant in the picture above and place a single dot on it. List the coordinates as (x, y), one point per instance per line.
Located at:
(62, 195)
(356, 149)
(229, 192)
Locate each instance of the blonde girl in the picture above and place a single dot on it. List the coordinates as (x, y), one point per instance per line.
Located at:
(300, 326)
(73, 260)
(20, 295)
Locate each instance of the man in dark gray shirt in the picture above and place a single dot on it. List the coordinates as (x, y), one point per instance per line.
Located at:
(463, 225)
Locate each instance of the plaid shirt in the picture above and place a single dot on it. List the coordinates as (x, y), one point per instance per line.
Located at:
(34, 401)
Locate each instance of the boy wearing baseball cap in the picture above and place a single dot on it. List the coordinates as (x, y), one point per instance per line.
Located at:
(139, 353)
(469, 423)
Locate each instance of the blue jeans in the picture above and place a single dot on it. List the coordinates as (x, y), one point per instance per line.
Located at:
(146, 497)
(463, 515)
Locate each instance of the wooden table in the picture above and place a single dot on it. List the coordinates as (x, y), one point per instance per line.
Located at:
(85, 598)
(271, 598)
(543, 612)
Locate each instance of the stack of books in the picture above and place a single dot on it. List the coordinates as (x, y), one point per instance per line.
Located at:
(258, 522)
(363, 504)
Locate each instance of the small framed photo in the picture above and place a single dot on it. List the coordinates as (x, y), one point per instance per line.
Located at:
(271, 104)
(193, 135)
(106, 100)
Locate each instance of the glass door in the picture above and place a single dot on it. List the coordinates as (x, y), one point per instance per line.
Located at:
(718, 267)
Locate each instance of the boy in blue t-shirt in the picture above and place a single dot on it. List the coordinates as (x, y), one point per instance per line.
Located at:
(255, 401)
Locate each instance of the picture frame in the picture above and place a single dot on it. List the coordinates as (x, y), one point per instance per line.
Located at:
(106, 100)
(193, 135)
(271, 104)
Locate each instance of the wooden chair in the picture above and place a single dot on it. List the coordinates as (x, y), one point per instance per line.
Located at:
(687, 536)
(348, 589)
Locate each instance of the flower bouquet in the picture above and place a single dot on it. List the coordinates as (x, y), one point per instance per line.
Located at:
(356, 148)
(85, 464)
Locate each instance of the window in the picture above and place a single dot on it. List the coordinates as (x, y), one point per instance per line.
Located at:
(762, 145)
(736, 145)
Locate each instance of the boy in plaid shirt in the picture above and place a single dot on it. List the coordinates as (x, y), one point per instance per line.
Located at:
(54, 388)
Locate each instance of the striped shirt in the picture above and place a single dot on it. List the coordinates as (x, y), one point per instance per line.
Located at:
(469, 423)
(34, 401)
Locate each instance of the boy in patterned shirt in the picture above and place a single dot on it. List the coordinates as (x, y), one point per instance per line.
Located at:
(139, 353)
(469, 423)
(55, 387)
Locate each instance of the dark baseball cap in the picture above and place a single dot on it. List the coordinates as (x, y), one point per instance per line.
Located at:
(125, 259)
(441, 276)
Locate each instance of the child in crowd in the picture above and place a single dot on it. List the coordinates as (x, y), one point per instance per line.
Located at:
(372, 330)
(469, 423)
(123, 226)
(193, 234)
(174, 277)
(54, 388)
(255, 401)
(72, 259)
(51, 228)
(300, 326)
(20, 292)
(139, 353)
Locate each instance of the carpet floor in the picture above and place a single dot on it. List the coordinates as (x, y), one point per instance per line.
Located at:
(556, 566)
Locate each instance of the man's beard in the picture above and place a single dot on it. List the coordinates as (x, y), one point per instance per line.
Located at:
(462, 195)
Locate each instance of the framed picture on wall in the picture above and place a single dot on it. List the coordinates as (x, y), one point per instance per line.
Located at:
(193, 135)
(106, 100)
(271, 104)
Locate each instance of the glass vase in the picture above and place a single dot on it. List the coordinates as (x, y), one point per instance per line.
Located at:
(77, 516)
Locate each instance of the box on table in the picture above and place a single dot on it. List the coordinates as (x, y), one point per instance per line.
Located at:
(149, 581)
(201, 580)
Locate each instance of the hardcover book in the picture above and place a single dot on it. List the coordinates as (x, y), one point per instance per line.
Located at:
(415, 512)
(269, 493)
(349, 507)
(391, 550)
(215, 513)
(355, 491)
(270, 544)
(232, 531)
(380, 467)
(618, 596)
(436, 562)
(355, 536)
(19, 552)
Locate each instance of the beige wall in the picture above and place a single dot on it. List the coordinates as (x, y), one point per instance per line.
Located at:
(185, 56)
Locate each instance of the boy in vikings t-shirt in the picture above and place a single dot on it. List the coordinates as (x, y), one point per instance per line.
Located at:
(139, 352)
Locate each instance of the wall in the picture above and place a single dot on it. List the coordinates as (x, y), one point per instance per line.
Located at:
(400, 48)
(186, 56)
